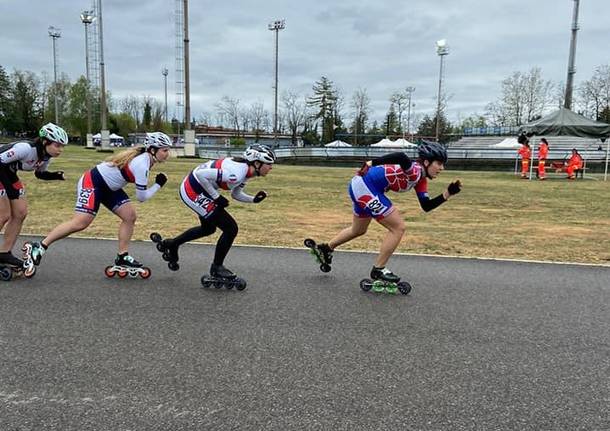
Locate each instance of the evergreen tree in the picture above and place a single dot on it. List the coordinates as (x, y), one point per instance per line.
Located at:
(324, 100)
(5, 89)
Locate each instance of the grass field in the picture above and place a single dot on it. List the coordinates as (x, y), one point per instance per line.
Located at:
(496, 215)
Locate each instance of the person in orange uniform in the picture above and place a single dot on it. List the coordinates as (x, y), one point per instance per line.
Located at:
(574, 163)
(526, 153)
(543, 152)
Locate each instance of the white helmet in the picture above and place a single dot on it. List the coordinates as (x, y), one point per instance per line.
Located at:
(261, 153)
(157, 140)
(53, 133)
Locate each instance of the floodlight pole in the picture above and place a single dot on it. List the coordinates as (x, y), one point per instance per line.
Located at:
(276, 26)
(55, 33)
(572, 59)
(442, 50)
(87, 18)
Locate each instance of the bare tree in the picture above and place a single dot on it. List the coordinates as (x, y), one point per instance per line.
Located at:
(232, 112)
(595, 93)
(131, 105)
(399, 101)
(257, 116)
(361, 109)
(294, 113)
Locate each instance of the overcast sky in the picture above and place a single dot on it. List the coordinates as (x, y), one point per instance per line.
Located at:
(381, 45)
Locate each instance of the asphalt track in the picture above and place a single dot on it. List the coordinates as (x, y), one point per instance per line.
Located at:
(477, 345)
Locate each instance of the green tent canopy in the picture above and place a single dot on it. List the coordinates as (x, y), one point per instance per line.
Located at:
(567, 123)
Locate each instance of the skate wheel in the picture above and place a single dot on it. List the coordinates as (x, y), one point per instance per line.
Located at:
(161, 249)
(404, 287)
(325, 267)
(133, 273)
(205, 282)
(146, 273)
(122, 274)
(155, 237)
(218, 285)
(174, 266)
(230, 286)
(29, 271)
(6, 274)
(241, 285)
(109, 272)
(166, 257)
(366, 284)
(309, 243)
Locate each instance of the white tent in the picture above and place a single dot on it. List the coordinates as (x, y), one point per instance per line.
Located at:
(404, 143)
(115, 136)
(337, 143)
(400, 143)
(507, 143)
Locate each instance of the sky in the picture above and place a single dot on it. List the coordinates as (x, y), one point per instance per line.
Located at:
(381, 46)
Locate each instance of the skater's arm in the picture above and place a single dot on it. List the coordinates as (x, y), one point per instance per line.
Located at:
(205, 178)
(17, 152)
(398, 158)
(239, 195)
(49, 176)
(428, 204)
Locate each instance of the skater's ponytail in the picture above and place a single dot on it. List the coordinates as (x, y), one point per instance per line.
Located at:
(124, 157)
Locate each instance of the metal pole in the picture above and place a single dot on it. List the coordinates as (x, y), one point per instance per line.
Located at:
(572, 59)
(88, 77)
(165, 72)
(54, 33)
(275, 86)
(187, 95)
(102, 72)
(438, 104)
(409, 91)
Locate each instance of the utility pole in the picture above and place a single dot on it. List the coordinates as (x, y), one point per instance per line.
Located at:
(87, 18)
(55, 33)
(276, 26)
(105, 134)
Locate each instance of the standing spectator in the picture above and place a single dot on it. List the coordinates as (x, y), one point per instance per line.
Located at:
(543, 152)
(575, 163)
(526, 153)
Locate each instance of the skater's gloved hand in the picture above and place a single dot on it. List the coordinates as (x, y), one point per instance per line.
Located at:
(454, 188)
(363, 169)
(221, 201)
(60, 175)
(161, 179)
(259, 196)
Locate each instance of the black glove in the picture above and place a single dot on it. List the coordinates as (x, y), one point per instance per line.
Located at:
(363, 169)
(60, 175)
(161, 179)
(49, 176)
(454, 188)
(221, 201)
(260, 196)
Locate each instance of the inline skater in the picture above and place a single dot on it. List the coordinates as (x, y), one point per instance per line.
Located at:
(200, 192)
(392, 172)
(25, 156)
(104, 185)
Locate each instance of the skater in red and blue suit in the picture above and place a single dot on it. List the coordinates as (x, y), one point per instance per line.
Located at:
(367, 190)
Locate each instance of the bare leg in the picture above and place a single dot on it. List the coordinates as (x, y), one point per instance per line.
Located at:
(19, 211)
(5, 216)
(127, 213)
(80, 221)
(396, 229)
(359, 227)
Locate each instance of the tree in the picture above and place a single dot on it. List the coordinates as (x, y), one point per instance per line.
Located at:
(5, 91)
(295, 114)
(231, 111)
(390, 123)
(524, 98)
(361, 108)
(595, 93)
(324, 100)
(76, 113)
(147, 103)
(25, 114)
(399, 100)
(427, 127)
(258, 113)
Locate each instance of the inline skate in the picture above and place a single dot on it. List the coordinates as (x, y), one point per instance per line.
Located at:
(12, 267)
(222, 277)
(322, 253)
(125, 265)
(383, 280)
(168, 250)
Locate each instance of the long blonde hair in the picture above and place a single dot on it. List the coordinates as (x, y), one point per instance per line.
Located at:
(124, 157)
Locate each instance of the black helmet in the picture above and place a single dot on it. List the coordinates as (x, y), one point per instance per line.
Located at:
(432, 151)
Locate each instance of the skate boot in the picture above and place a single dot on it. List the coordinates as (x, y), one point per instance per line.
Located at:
(222, 277)
(10, 266)
(220, 271)
(33, 252)
(125, 265)
(322, 252)
(386, 280)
